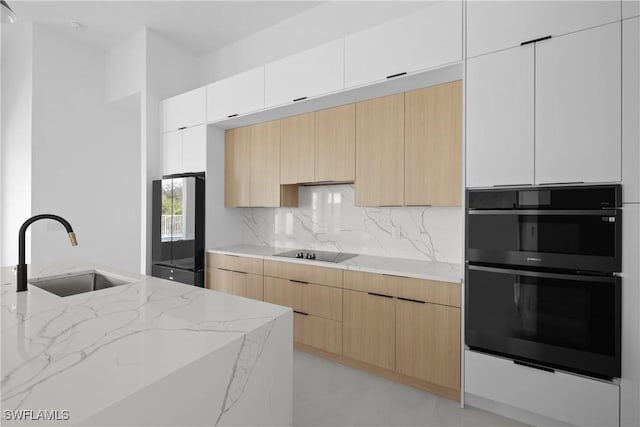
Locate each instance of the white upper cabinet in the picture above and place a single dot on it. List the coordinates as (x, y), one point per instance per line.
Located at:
(578, 107)
(184, 150)
(236, 95)
(172, 152)
(500, 103)
(184, 110)
(310, 73)
(496, 25)
(631, 110)
(422, 40)
(630, 8)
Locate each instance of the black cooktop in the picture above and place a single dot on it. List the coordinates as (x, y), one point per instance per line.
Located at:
(317, 255)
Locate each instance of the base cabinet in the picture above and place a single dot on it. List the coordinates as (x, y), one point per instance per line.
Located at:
(317, 332)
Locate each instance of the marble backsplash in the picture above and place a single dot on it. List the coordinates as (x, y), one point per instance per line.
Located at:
(326, 219)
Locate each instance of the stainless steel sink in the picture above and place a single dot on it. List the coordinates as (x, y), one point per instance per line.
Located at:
(78, 283)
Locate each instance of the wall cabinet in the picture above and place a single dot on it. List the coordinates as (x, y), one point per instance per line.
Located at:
(185, 110)
(553, 115)
(236, 95)
(307, 74)
(184, 150)
(297, 149)
(631, 110)
(237, 167)
(497, 25)
(433, 145)
(380, 151)
(335, 144)
(419, 41)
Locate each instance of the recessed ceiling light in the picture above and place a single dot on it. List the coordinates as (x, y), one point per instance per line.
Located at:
(76, 25)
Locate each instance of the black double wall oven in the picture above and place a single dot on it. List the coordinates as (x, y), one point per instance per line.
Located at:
(542, 276)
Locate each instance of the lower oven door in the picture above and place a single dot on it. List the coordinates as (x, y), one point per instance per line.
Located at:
(565, 321)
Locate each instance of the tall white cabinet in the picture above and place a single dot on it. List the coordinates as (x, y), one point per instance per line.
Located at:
(546, 112)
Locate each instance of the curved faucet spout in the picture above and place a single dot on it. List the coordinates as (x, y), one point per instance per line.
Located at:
(22, 265)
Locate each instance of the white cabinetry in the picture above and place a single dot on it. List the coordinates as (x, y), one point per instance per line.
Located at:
(236, 95)
(630, 8)
(310, 73)
(425, 39)
(184, 150)
(569, 398)
(496, 25)
(631, 110)
(185, 110)
(578, 112)
(500, 100)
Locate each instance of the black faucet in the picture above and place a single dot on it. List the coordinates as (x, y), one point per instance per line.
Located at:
(22, 265)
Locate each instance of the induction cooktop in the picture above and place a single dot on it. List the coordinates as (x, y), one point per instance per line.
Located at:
(314, 255)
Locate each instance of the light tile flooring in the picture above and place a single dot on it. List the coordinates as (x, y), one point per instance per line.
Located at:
(329, 394)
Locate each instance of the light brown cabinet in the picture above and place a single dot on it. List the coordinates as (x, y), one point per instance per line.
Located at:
(235, 275)
(297, 149)
(335, 147)
(433, 146)
(380, 151)
(369, 331)
(237, 167)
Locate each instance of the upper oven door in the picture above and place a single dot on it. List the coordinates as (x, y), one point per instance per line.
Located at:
(538, 232)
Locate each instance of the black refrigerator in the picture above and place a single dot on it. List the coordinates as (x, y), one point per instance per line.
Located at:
(178, 228)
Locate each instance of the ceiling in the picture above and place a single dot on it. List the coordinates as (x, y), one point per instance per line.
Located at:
(199, 26)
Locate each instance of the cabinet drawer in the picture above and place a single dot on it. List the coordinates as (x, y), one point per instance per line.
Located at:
(173, 274)
(431, 291)
(304, 273)
(317, 300)
(317, 332)
(370, 282)
(247, 285)
(235, 263)
(220, 280)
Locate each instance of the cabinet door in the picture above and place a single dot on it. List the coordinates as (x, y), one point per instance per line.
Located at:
(335, 149)
(630, 110)
(496, 25)
(433, 145)
(297, 149)
(237, 167)
(428, 342)
(239, 94)
(499, 115)
(424, 39)
(247, 285)
(171, 152)
(265, 164)
(318, 332)
(380, 151)
(221, 280)
(578, 107)
(185, 110)
(369, 331)
(194, 149)
(310, 73)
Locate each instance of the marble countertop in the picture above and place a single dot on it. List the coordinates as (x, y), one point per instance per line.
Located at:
(445, 272)
(84, 352)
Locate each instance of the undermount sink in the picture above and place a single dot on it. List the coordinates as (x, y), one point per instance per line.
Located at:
(78, 283)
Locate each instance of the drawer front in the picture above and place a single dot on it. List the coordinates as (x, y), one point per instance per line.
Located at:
(247, 285)
(235, 263)
(173, 274)
(317, 300)
(404, 287)
(318, 332)
(220, 280)
(304, 273)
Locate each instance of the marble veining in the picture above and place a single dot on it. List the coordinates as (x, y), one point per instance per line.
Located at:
(114, 342)
(327, 219)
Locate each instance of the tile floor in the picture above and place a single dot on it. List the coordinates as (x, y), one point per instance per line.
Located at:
(329, 394)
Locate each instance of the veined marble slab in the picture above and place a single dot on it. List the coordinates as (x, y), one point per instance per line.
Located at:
(430, 270)
(152, 352)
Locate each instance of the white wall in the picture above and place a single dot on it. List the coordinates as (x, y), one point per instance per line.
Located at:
(16, 118)
(326, 22)
(125, 68)
(85, 158)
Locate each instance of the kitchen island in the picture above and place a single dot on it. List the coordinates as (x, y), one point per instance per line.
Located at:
(150, 352)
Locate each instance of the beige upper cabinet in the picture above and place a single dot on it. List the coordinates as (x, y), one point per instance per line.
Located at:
(380, 151)
(237, 167)
(335, 148)
(265, 164)
(433, 145)
(297, 149)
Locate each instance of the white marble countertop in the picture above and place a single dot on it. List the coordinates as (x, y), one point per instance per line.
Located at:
(84, 352)
(445, 272)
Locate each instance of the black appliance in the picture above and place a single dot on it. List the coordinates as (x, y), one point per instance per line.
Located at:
(324, 256)
(542, 276)
(178, 228)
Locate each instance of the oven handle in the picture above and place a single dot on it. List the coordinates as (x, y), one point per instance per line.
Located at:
(545, 275)
(602, 212)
